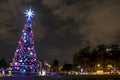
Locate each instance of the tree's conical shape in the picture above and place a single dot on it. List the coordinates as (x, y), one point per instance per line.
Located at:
(24, 61)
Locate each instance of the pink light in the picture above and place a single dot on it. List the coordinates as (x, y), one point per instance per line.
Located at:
(22, 30)
(16, 63)
(18, 68)
(32, 60)
(17, 50)
(24, 24)
(28, 48)
(30, 24)
(32, 42)
(34, 55)
(11, 64)
(19, 42)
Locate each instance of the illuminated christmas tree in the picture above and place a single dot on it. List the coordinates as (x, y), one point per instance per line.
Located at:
(24, 61)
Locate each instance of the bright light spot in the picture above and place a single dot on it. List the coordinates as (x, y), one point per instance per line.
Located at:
(24, 70)
(9, 73)
(29, 14)
(24, 33)
(24, 40)
(81, 70)
(108, 49)
(32, 60)
(99, 71)
(109, 66)
(17, 50)
(31, 53)
(42, 73)
(98, 65)
(21, 60)
(18, 68)
(16, 63)
(28, 48)
(3, 72)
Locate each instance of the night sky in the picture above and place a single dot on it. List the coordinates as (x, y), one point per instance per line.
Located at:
(61, 27)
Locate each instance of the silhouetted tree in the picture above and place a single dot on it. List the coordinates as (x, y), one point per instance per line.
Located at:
(102, 54)
(55, 65)
(82, 58)
(3, 63)
(67, 67)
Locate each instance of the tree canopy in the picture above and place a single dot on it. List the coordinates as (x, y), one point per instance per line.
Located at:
(102, 54)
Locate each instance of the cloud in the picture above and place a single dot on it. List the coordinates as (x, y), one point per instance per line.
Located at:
(78, 23)
(52, 3)
(97, 21)
(104, 24)
(6, 22)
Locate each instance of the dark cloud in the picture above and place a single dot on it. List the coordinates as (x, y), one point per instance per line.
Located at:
(82, 21)
(97, 20)
(60, 27)
(104, 26)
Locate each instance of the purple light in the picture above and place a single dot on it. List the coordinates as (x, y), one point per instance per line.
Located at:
(16, 63)
(32, 60)
(18, 68)
(28, 48)
(34, 55)
(25, 57)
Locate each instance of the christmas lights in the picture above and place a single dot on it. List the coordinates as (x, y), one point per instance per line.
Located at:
(24, 60)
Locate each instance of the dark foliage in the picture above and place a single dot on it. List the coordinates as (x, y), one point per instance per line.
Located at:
(102, 54)
(3, 63)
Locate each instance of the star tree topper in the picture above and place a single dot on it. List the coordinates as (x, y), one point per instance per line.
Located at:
(29, 14)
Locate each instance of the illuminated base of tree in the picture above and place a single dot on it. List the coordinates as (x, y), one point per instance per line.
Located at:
(24, 73)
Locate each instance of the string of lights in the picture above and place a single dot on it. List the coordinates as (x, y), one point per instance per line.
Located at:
(24, 60)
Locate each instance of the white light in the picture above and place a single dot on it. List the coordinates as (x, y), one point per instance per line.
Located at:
(29, 14)
(3, 72)
(81, 70)
(21, 60)
(43, 73)
(17, 50)
(24, 70)
(24, 40)
(24, 33)
(31, 53)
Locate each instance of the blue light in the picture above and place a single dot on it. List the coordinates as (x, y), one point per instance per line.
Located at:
(29, 14)
(81, 70)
